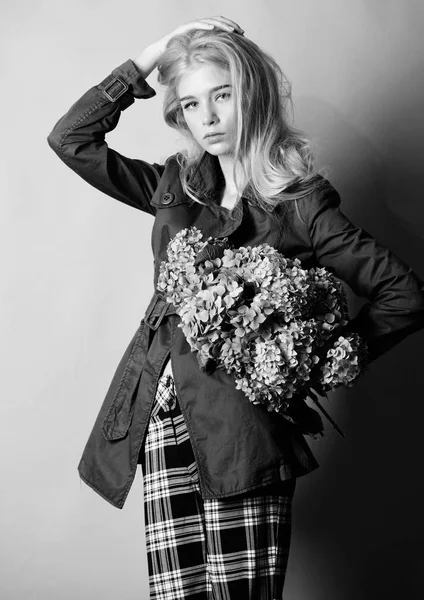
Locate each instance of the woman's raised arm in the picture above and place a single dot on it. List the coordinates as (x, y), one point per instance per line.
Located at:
(78, 138)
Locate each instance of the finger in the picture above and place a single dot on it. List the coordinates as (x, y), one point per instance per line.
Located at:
(224, 23)
(201, 24)
(210, 23)
(228, 22)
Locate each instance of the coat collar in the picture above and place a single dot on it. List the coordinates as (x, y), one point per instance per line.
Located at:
(208, 179)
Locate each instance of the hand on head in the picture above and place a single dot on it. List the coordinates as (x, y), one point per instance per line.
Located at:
(209, 23)
(149, 58)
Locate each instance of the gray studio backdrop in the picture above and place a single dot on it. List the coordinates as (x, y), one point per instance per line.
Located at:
(76, 277)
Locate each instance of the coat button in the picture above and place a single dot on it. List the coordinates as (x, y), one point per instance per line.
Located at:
(167, 198)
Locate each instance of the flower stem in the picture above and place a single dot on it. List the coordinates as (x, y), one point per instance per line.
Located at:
(314, 399)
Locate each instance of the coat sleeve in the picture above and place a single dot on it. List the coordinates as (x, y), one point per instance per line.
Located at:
(395, 294)
(78, 138)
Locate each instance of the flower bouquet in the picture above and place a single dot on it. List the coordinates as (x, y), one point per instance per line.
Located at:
(276, 328)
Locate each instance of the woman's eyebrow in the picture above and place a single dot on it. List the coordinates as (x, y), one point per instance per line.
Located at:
(218, 87)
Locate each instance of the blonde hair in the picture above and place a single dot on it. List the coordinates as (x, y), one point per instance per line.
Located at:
(274, 156)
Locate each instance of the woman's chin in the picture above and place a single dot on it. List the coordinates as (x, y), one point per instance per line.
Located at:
(216, 150)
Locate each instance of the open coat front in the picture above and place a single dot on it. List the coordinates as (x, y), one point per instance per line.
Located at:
(238, 446)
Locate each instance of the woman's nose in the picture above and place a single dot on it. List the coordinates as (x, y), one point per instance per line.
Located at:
(209, 117)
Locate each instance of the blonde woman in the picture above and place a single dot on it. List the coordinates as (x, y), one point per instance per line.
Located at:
(219, 472)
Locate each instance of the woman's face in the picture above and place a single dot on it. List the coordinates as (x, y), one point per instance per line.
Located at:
(208, 106)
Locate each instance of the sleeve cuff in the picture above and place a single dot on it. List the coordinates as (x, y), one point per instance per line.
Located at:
(124, 84)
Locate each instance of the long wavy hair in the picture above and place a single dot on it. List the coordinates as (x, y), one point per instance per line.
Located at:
(276, 159)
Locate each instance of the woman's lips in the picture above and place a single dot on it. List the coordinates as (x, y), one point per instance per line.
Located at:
(214, 137)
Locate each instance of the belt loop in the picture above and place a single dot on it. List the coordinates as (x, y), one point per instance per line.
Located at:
(155, 311)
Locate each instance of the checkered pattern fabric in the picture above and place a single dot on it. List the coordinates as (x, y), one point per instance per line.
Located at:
(220, 549)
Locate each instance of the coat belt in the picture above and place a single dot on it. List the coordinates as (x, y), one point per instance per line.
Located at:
(118, 418)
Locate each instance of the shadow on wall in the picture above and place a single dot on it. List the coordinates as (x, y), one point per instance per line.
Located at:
(358, 521)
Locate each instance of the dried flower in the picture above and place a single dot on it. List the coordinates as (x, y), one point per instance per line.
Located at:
(263, 319)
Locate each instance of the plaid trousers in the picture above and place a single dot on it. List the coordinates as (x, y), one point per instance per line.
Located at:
(221, 549)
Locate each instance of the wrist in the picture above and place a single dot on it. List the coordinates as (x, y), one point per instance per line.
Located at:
(147, 61)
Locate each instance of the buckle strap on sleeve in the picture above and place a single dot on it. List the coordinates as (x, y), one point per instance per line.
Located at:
(115, 89)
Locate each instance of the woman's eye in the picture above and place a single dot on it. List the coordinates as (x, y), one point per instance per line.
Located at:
(223, 95)
(189, 105)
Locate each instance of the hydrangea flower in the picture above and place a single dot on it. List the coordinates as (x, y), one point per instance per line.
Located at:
(262, 318)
